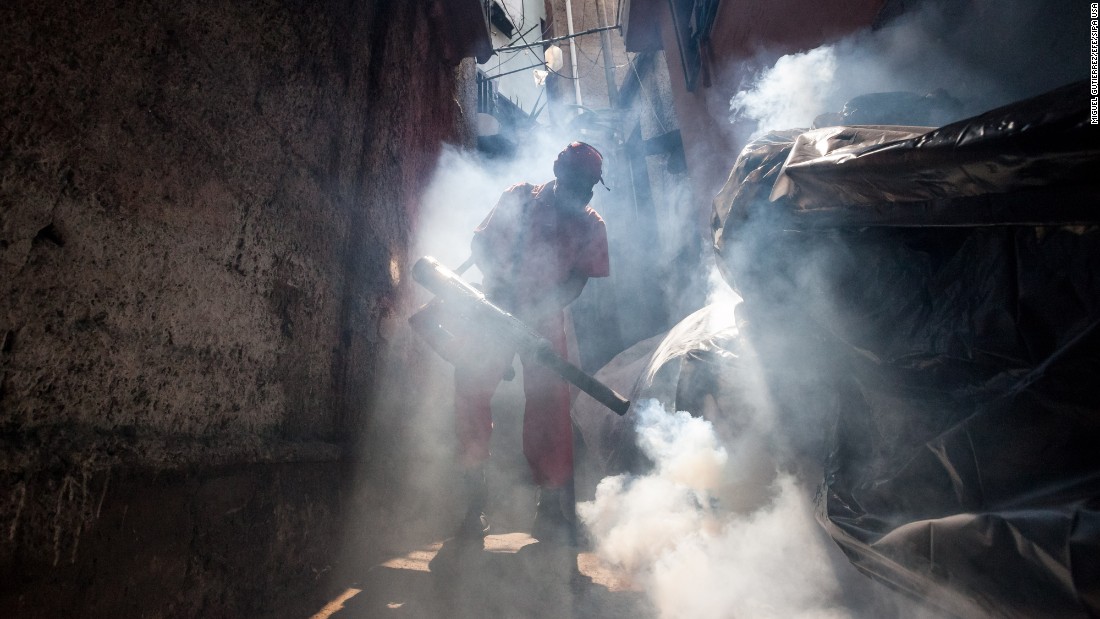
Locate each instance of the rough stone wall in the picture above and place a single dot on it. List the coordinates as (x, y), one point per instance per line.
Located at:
(204, 210)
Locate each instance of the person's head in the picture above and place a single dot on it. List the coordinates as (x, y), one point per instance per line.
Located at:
(577, 169)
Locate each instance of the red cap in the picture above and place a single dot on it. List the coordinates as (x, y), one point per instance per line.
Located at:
(579, 159)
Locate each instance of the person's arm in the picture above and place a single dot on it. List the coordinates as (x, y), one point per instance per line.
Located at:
(493, 245)
(570, 289)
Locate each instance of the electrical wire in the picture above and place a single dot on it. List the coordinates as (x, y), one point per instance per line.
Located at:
(595, 62)
(520, 36)
(523, 37)
(517, 38)
(498, 66)
(523, 18)
(527, 44)
(511, 57)
(548, 67)
(645, 95)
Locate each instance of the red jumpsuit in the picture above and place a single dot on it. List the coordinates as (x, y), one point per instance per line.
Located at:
(527, 248)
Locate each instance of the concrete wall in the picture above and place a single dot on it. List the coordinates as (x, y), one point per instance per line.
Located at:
(740, 32)
(590, 59)
(204, 212)
(662, 184)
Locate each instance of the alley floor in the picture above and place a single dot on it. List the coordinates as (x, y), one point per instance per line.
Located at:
(511, 576)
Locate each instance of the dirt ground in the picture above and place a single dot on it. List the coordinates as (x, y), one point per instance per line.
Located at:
(510, 575)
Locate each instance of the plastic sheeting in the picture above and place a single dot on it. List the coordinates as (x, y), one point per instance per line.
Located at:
(680, 368)
(931, 299)
(978, 171)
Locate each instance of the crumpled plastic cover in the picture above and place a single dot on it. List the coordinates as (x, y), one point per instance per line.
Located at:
(676, 368)
(932, 300)
(978, 171)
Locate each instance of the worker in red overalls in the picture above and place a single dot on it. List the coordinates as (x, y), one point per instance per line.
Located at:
(536, 249)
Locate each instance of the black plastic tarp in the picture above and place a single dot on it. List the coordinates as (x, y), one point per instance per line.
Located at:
(683, 368)
(931, 297)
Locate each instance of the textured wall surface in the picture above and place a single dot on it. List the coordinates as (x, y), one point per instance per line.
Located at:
(740, 32)
(204, 211)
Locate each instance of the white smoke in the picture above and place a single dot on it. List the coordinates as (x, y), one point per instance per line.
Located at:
(466, 185)
(465, 188)
(984, 54)
(680, 534)
(770, 102)
(718, 289)
(718, 528)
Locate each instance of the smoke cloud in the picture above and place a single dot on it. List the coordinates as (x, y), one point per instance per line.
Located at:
(723, 524)
(681, 533)
(465, 188)
(983, 54)
(770, 103)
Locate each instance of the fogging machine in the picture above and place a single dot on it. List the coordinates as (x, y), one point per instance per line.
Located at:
(472, 307)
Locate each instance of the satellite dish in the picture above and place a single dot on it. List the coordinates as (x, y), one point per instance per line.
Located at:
(552, 57)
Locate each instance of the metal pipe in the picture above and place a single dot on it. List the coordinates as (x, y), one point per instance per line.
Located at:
(572, 50)
(470, 304)
(608, 61)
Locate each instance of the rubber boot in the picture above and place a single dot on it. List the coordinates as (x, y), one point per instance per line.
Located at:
(556, 516)
(474, 524)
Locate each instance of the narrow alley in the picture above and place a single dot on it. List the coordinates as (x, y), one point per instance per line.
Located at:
(707, 309)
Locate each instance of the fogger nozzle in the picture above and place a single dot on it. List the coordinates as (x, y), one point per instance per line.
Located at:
(472, 305)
